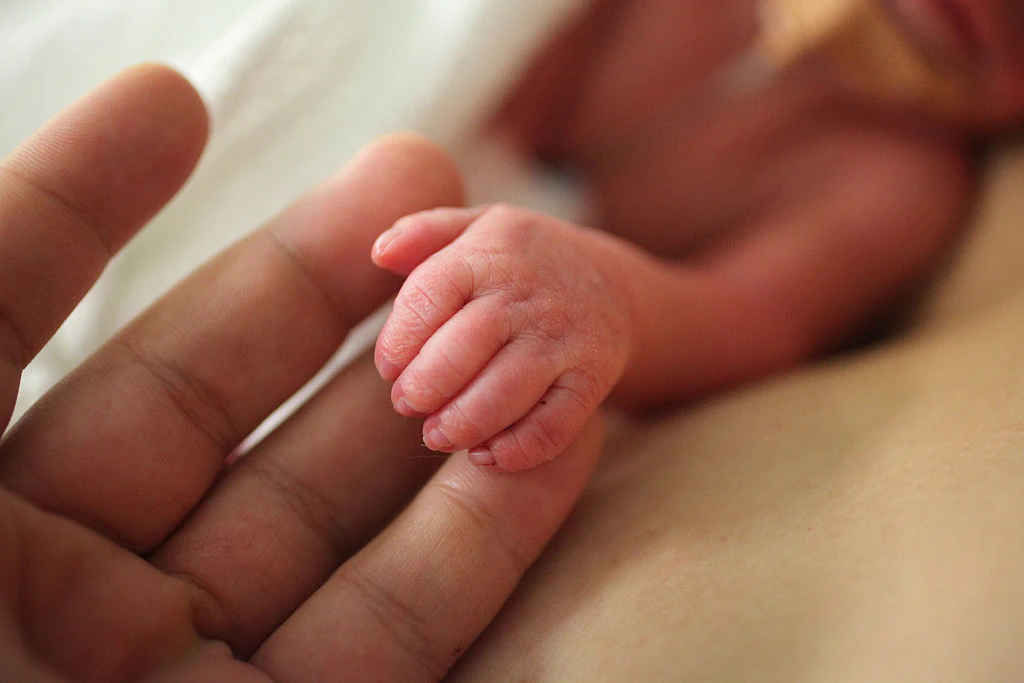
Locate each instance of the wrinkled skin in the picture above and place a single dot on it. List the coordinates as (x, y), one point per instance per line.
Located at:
(517, 318)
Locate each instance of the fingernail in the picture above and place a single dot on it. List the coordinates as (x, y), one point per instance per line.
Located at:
(388, 371)
(437, 441)
(482, 457)
(386, 239)
(405, 409)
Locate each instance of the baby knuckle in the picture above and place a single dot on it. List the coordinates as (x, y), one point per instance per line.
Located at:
(422, 391)
(394, 347)
(457, 279)
(504, 214)
(538, 441)
(419, 301)
(584, 388)
(484, 269)
(511, 225)
(441, 376)
(548, 343)
(513, 451)
(463, 427)
(430, 300)
(495, 324)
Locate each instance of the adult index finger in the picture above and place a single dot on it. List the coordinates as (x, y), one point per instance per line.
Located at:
(407, 605)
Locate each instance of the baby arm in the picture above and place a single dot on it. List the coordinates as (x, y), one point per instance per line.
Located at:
(805, 273)
(509, 332)
(513, 327)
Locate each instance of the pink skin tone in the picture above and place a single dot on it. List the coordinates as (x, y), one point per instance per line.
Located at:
(507, 318)
(801, 216)
(512, 326)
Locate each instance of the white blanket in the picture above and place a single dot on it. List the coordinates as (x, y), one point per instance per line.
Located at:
(295, 87)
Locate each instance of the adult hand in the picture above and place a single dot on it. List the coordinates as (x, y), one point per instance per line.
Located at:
(130, 548)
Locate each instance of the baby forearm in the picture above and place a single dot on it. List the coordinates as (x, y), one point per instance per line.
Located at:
(694, 331)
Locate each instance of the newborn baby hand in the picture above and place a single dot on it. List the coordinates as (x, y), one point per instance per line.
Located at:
(509, 332)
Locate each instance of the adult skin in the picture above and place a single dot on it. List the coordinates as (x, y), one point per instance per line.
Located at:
(857, 520)
(131, 548)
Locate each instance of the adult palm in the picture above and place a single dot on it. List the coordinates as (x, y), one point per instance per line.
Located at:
(132, 547)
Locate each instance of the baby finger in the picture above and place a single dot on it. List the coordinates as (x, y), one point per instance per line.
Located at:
(452, 358)
(547, 430)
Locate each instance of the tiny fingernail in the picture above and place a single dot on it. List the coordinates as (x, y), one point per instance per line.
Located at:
(403, 408)
(386, 239)
(437, 441)
(482, 457)
(388, 371)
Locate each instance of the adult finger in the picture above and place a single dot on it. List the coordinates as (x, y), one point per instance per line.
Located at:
(287, 514)
(131, 442)
(77, 190)
(413, 600)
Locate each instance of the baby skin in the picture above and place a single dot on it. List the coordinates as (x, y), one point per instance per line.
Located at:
(734, 242)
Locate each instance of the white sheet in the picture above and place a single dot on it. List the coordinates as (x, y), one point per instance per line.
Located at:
(295, 87)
